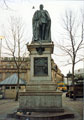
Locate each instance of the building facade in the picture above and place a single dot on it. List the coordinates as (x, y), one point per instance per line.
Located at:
(57, 76)
(8, 68)
(9, 86)
(80, 72)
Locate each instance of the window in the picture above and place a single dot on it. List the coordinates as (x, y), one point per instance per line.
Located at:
(8, 66)
(13, 87)
(7, 87)
(14, 65)
(23, 66)
(20, 87)
(4, 66)
(60, 85)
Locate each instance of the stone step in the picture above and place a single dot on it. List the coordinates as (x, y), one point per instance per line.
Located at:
(40, 93)
(66, 115)
(56, 110)
(43, 87)
(47, 82)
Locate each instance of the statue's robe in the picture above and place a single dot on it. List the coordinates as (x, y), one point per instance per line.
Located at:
(41, 18)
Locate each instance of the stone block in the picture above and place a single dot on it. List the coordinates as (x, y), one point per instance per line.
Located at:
(40, 100)
(41, 87)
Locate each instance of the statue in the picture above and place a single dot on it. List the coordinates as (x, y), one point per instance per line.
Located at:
(41, 25)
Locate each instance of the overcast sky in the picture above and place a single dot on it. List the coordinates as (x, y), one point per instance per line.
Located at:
(56, 10)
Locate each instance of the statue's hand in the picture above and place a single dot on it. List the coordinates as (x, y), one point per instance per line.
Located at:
(40, 22)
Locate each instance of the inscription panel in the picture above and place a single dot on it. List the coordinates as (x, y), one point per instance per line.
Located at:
(40, 66)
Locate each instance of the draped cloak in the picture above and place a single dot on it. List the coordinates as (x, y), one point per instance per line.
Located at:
(40, 18)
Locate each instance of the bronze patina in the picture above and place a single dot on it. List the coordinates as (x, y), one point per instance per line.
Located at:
(41, 25)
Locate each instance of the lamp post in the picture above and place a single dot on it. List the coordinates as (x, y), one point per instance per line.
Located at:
(69, 75)
(1, 37)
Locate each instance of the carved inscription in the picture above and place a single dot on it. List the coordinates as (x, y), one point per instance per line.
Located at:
(40, 66)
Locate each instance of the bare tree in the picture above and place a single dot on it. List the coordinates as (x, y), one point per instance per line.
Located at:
(73, 41)
(15, 44)
(4, 4)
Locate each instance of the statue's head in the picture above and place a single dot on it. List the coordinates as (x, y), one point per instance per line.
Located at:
(41, 7)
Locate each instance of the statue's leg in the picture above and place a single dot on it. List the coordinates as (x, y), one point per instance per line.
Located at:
(40, 32)
(43, 31)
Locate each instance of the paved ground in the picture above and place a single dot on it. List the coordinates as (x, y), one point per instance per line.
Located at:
(8, 106)
(75, 106)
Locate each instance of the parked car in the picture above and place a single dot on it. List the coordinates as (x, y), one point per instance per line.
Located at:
(61, 86)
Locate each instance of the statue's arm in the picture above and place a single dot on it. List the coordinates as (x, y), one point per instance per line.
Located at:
(35, 16)
(48, 16)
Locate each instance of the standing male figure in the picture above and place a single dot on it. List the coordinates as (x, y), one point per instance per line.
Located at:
(41, 25)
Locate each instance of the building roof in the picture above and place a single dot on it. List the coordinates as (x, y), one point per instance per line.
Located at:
(12, 80)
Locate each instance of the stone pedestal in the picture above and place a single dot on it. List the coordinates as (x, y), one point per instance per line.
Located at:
(40, 92)
(40, 55)
(41, 101)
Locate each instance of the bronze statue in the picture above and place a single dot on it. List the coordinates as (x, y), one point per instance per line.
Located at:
(41, 25)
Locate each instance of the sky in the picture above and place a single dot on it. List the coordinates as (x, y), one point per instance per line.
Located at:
(56, 9)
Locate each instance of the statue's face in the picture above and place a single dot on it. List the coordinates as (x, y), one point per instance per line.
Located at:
(41, 7)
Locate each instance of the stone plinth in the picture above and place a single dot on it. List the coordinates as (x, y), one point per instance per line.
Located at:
(40, 101)
(40, 92)
(40, 52)
(41, 87)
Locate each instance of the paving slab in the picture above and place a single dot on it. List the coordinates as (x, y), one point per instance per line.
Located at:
(76, 107)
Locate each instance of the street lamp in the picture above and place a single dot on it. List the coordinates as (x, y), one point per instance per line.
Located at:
(1, 37)
(69, 80)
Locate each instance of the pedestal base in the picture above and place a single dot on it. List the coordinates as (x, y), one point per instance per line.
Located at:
(40, 100)
(41, 86)
(42, 115)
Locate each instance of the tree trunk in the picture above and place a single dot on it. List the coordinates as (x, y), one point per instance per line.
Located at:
(73, 66)
(17, 90)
